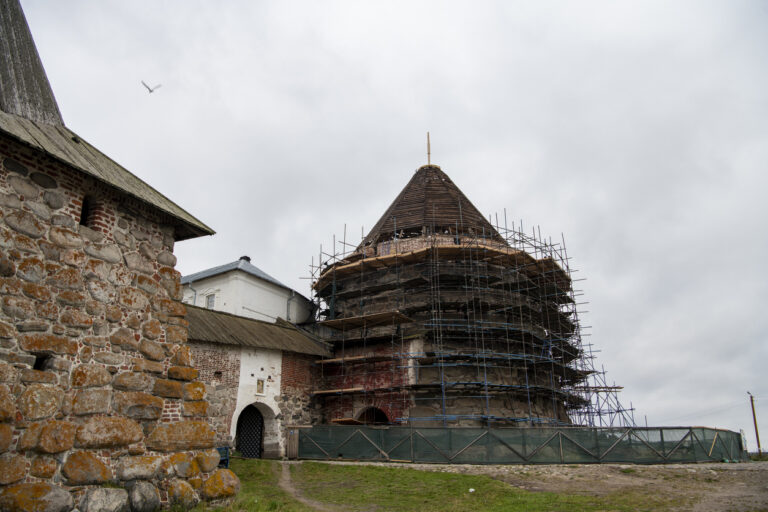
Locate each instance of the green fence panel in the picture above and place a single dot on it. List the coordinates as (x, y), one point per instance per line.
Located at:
(586, 447)
(574, 451)
(680, 445)
(508, 446)
(431, 445)
(364, 443)
(535, 445)
(397, 444)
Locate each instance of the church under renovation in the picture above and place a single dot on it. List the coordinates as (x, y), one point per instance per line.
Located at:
(438, 318)
(446, 336)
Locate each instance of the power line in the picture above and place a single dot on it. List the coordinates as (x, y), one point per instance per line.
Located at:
(705, 412)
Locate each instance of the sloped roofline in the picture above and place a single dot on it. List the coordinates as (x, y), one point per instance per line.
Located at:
(430, 198)
(24, 87)
(242, 265)
(210, 326)
(30, 115)
(64, 145)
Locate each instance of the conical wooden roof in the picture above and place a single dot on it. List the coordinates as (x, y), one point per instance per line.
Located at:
(24, 87)
(431, 203)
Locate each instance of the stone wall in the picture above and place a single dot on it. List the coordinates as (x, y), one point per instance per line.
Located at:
(219, 367)
(299, 378)
(97, 383)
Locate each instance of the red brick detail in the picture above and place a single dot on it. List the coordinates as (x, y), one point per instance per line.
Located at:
(299, 373)
(101, 218)
(218, 364)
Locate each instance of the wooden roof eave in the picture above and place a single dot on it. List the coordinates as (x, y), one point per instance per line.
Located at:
(342, 269)
(372, 320)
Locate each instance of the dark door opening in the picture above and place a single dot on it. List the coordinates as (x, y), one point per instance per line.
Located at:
(373, 416)
(249, 438)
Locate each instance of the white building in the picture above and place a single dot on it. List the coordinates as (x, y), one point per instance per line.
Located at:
(243, 289)
(258, 370)
(259, 377)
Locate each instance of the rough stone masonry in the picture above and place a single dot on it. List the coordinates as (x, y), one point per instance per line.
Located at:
(100, 403)
(97, 384)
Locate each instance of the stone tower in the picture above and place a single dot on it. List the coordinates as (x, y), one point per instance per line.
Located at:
(96, 381)
(438, 321)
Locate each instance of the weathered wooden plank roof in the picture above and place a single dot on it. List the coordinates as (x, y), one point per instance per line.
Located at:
(66, 146)
(209, 326)
(24, 86)
(432, 200)
(29, 114)
(372, 320)
(546, 268)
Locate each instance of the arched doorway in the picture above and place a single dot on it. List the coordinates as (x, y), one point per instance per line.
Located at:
(373, 416)
(249, 439)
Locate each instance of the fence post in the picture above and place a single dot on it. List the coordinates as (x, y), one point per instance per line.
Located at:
(411, 441)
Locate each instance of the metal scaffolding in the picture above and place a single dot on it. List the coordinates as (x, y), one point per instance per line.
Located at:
(450, 326)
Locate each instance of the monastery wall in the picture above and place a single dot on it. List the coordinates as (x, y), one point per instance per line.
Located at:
(97, 384)
(232, 374)
(219, 367)
(299, 378)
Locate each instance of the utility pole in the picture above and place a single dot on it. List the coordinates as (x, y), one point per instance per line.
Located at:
(754, 419)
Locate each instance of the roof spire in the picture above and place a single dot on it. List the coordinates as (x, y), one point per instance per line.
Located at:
(24, 87)
(429, 151)
(431, 199)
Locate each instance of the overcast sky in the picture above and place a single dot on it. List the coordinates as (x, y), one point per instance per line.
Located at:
(637, 129)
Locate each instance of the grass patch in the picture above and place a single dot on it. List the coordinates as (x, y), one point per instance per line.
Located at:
(351, 488)
(259, 491)
(407, 490)
(628, 471)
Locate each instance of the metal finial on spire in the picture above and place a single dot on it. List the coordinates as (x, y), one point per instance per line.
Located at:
(429, 151)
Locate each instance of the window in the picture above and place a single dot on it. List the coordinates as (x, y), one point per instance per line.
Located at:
(41, 361)
(210, 301)
(85, 211)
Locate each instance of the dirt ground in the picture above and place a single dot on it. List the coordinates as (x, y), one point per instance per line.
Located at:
(686, 487)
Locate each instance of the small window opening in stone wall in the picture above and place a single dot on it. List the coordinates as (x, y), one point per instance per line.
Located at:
(86, 210)
(217, 375)
(41, 361)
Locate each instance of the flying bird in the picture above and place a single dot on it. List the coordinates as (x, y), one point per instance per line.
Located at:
(151, 89)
